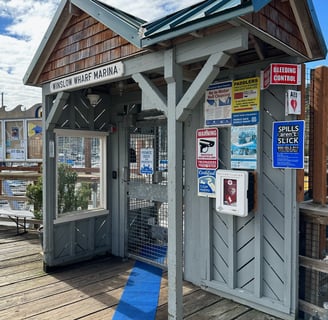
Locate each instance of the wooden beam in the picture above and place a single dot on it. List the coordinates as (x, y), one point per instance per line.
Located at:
(228, 41)
(320, 134)
(49, 41)
(300, 173)
(173, 77)
(153, 61)
(312, 309)
(56, 109)
(302, 24)
(198, 50)
(258, 47)
(200, 84)
(151, 91)
(73, 10)
(275, 42)
(197, 34)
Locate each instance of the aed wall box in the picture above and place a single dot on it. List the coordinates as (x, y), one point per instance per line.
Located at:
(231, 192)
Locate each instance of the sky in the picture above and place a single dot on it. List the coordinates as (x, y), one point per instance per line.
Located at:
(24, 23)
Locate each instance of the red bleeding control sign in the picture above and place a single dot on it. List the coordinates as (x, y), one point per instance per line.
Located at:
(282, 74)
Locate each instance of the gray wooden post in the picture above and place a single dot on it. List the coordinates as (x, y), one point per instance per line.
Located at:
(173, 77)
(49, 187)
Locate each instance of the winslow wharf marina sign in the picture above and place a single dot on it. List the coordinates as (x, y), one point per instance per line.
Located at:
(89, 77)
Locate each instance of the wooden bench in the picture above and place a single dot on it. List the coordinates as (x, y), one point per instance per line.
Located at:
(21, 218)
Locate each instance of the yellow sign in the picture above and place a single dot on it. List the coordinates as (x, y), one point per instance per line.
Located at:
(246, 95)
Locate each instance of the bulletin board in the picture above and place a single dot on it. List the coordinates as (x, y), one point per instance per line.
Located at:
(21, 140)
(14, 135)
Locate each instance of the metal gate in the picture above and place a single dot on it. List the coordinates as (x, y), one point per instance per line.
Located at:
(147, 197)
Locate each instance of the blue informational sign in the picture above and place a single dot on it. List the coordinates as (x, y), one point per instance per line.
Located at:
(288, 144)
(244, 147)
(147, 161)
(206, 183)
(162, 166)
(245, 118)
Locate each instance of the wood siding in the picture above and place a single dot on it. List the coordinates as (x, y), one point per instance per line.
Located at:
(81, 239)
(86, 43)
(253, 254)
(277, 19)
(319, 152)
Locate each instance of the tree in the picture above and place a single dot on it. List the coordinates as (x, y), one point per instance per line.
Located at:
(70, 197)
(34, 195)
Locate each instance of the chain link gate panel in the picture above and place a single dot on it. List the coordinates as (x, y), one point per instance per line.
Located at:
(147, 199)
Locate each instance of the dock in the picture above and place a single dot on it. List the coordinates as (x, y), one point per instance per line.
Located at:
(87, 290)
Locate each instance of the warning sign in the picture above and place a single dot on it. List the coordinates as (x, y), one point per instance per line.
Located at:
(207, 148)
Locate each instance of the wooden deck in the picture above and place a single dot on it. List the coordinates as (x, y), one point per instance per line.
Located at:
(89, 290)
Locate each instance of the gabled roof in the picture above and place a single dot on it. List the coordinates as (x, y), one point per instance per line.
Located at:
(198, 16)
(144, 34)
(210, 12)
(122, 23)
(309, 28)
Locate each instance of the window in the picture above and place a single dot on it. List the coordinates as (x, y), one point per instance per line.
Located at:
(81, 159)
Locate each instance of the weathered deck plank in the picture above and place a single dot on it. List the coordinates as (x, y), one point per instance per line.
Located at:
(223, 310)
(61, 292)
(90, 290)
(194, 300)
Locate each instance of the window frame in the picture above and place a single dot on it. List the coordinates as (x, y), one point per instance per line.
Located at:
(82, 214)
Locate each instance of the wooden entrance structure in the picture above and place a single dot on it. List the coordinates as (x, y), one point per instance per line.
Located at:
(144, 72)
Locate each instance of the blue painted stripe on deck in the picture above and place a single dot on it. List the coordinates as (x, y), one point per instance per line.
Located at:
(140, 297)
(155, 253)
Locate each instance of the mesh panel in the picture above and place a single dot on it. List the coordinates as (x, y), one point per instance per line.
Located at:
(147, 218)
(315, 287)
(313, 275)
(148, 230)
(156, 140)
